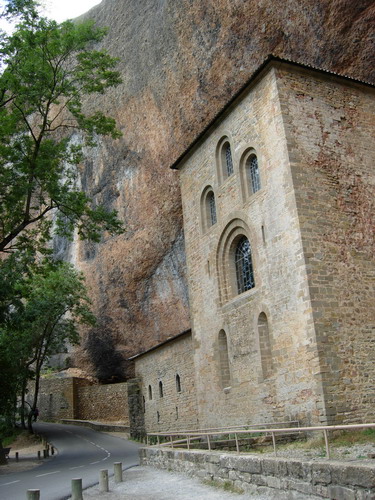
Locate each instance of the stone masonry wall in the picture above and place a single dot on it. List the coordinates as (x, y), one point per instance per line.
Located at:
(259, 476)
(103, 403)
(269, 220)
(58, 397)
(330, 134)
(172, 409)
(73, 398)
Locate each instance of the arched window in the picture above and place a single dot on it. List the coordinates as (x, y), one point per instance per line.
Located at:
(244, 265)
(178, 383)
(224, 159)
(223, 360)
(161, 394)
(228, 159)
(208, 208)
(252, 173)
(211, 205)
(265, 345)
(158, 416)
(149, 392)
(144, 404)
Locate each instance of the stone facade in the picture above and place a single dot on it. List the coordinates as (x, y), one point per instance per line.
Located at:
(167, 382)
(296, 345)
(103, 403)
(74, 398)
(267, 476)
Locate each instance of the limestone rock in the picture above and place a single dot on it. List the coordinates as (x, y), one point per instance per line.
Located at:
(181, 61)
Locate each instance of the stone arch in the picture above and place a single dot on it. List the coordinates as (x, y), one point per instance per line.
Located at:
(208, 208)
(224, 159)
(225, 258)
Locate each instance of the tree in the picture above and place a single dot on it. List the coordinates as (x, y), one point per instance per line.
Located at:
(55, 303)
(47, 70)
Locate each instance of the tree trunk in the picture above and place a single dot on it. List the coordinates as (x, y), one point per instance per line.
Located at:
(3, 460)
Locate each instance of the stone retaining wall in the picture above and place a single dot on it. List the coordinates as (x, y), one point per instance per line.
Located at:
(260, 475)
(103, 403)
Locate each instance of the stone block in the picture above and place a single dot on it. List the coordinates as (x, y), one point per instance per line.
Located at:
(341, 493)
(295, 469)
(321, 474)
(272, 482)
(363, 476)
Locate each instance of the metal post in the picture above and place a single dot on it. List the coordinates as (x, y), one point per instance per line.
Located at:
(103, 480)
(208, 442)
(158, 438)
(188, 442)
(16, 456)
(33, 494)
(236, 438)
(118, 472)
(38, 454)
(44, 453)
(274, 443)
(171, 441)
(77, 489)
(326, 442)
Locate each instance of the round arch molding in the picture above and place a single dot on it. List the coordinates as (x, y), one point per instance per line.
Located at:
(233, 232)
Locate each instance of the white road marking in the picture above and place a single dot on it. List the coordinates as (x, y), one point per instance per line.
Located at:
(92, 463)
(78, 467)
(48, 473)
(12, 482)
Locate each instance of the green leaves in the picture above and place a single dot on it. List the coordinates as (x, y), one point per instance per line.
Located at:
(48, 70)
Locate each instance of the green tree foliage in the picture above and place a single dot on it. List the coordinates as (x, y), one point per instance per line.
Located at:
(54, 304)
(47, 70)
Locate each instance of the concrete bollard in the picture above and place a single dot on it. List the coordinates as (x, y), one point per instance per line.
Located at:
(17, 457)
(77, 489)
(118, 472)
(103, 480)
(33, 494)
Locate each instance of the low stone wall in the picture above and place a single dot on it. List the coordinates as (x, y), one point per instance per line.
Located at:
(260, 475)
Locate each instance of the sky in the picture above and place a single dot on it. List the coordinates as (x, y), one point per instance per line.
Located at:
(60, 10)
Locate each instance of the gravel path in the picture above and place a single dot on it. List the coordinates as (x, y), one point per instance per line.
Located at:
(147, 483)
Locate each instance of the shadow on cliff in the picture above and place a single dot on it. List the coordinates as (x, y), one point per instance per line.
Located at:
(109, 365)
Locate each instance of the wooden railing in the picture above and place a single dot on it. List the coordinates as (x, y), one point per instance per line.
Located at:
(188, 437)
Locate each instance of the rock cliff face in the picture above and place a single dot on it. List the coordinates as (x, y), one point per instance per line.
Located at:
(181, 61)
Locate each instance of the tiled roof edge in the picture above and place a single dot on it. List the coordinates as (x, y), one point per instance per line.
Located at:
(258, 70)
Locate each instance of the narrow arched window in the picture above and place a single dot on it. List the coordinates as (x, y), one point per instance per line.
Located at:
(144, 404)
(228, 159)
(265, 345)
(223, 360)
(253, 176)
(244, 266)
(161, 394)
(211, 208)
(178, 383)
(149, 392)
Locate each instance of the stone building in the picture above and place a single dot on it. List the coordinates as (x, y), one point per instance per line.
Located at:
(278, 195)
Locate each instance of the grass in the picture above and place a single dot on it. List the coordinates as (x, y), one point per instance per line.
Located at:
(8, 440)
(337, 439)
(224, 485)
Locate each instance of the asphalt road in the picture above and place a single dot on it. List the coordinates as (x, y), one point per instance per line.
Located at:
(82, 453)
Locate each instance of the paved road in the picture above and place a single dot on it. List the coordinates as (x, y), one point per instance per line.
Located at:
(82, 452)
